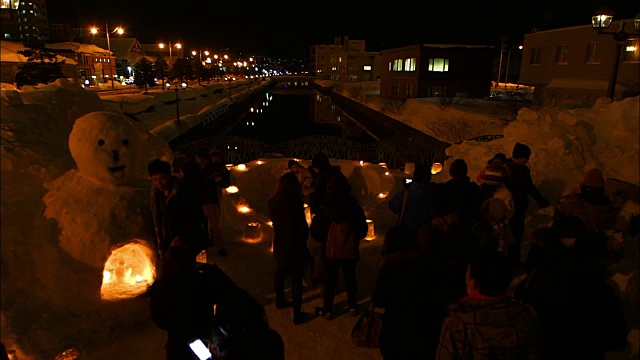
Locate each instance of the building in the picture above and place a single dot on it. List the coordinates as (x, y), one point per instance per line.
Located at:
(94, 64)
(11, 60)
(353, 66)
(429, 70)
(24, 19)
(320, 55)
(127, 51)
(575, 64)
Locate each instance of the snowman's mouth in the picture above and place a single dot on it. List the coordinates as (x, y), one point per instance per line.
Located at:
(116, 169)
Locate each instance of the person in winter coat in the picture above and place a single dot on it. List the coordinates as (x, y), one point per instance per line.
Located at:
(419, 199)
(591, 204)
(243, 331)
(581, 315)
(465, 194)
(181, 300)
(494, 182)
(341, 208)
(321, 171)
(304, 178)
(487, 323)
(521, 186)
(493, 229)
(165, 186)
(290, 233)
(412, 291)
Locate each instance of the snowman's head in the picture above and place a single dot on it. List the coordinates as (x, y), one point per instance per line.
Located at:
(104, 145)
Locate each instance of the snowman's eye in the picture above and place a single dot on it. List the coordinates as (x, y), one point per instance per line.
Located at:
(100, 142)
(125, 142)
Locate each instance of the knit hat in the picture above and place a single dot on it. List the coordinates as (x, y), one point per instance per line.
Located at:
(291, 163)
(521, 151)
(494, 172)
(594, 179)
(458, 168)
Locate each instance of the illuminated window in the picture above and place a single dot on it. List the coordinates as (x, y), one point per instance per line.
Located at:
(536, 56)
(390, 66)
(397, 65)
(366, 68)
(410, 64)
(438, 64)
(631, 51)
(594, 49)
(562, 55)
(339, 58)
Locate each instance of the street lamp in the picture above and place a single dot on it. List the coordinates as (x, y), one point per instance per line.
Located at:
(601, 20)
(506, 75)
(178, 46)
(177, 88)
(119, 30)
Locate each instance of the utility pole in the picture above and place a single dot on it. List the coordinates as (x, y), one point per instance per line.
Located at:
(504, 38)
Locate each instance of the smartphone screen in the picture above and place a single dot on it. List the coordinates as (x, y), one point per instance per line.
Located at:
(200, 350)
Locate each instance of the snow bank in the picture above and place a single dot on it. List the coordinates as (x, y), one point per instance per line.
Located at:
(565, 144)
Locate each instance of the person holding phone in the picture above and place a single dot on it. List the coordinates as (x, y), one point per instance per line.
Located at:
(418, 202)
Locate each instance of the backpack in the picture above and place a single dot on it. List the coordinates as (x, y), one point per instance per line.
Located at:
(341, 242)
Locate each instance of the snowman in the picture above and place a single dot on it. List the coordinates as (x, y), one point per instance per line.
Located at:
(105, 201)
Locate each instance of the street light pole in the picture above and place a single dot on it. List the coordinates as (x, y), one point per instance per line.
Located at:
(601, 20)
(504, 38)
(120, 31)
(506, 75)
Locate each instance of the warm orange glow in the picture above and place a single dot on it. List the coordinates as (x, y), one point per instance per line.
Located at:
(361, 163)
(243, 209)
(436, 168)
(202, 257)
(231, 189)
(307, 214)
(128, 271)
(252, 233)
(241, 167)
(383, 195)
(371, 234)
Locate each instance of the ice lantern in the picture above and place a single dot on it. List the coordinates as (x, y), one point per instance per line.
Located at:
(128, 271)
(371, 234)
(436, 167)
(252, 232)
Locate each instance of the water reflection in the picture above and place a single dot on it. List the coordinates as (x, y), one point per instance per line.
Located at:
(287, 114)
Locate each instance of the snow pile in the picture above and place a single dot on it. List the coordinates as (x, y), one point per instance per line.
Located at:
(60, 223)
(565, 144)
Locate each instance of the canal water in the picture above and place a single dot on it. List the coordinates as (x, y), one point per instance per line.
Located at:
(299, 121)
(287, 114)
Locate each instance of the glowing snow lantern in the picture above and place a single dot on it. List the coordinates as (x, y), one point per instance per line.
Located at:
(252, 233)
(241, 167)
(386, 173)
(229, 166)
(260, 162)
(202, 257)
(409, 167)
(436, 167)
(361, 163)
(270, 223)
(231, 189)
(128, 271)
(383, 164)
(307, 214)
(243, 209)
(383, 195)
(371, 234)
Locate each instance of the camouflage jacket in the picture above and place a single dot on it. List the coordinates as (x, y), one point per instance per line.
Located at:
(489, 328)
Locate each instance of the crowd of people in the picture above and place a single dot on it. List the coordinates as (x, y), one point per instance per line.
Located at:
(445, 271)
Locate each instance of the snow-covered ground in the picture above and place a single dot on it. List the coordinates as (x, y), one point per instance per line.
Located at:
(59, 219)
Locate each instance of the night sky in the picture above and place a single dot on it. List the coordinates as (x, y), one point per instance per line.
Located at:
(286, 29)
